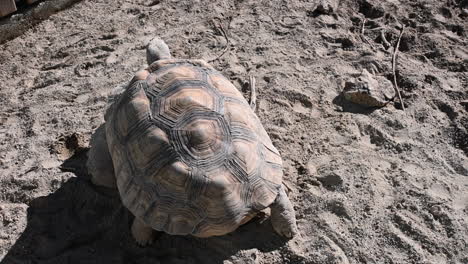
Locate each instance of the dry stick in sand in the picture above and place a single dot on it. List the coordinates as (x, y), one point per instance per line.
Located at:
(384, 40)
(363, 25)
(253, 93)
(220, 28)
(395, 51)
(363, 37)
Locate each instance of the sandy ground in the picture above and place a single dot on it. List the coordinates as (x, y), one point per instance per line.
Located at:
(368, 185)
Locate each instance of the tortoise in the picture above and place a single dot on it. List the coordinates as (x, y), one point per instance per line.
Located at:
(187, 153)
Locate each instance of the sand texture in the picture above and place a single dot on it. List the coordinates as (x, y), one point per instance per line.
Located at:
(369, 185)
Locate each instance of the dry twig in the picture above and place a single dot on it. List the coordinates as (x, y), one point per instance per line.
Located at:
(253, 93)
(363, 37)
(395, 51)
(363, 26)
(223, 32)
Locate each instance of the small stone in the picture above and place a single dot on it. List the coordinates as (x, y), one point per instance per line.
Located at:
(464, 11)
(369, 90)
(436, 211)
(311, 168)
(326, 6)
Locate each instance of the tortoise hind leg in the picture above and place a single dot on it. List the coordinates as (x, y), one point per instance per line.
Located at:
(142, 233)
(283, 216)
(157, 49)
(99, 162)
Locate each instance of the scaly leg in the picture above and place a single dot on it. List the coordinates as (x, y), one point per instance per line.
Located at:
(99, 162)
(283, 216)
(142, 233)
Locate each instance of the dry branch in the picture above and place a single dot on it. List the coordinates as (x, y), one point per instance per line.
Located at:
(363, 26)
(253, 93)
(223, 32)
(395, 51)
(384, 40)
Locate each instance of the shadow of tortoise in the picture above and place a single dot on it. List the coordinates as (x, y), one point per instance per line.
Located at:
(84, 223)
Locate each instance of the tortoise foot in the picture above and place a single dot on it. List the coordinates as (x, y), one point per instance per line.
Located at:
(99, 161)
(142, 233)
(283, 216)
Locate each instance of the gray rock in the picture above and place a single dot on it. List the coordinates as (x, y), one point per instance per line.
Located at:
(326, 6)
(369, 90)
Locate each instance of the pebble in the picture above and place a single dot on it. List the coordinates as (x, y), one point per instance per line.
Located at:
(369, 90)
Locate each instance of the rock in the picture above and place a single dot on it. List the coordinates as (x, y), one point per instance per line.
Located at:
(371, 10)
(369, 90)
(326, 7)
(464, 12)
(311, 168)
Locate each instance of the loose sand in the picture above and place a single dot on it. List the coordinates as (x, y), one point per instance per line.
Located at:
(369, 186)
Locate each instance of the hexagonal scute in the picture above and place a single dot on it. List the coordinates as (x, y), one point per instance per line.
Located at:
(130, 197)
(221, 193)
(204, 138)
(172, 177)
(185, 99)
(120, 160)
(263, 194)
(208, 229)
(182, 221)
(247, 154)
(120, 123)
(184, 72)
(201, 140)
(157, 216)
(214, 192)
(222, 204)
(271, 155)
(221, 178)
(239, 114)
(143, 203)
(271, 172)
(222, 201)
(224, 86)
(196, 185)
(130, 112)
(147, 147)
(166, 77)
(264, 137)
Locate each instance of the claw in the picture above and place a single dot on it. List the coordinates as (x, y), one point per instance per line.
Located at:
(142, 233)
(283, 217)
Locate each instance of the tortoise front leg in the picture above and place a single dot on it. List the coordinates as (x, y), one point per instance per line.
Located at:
(142, 233)
(283, 216)
(99, 162)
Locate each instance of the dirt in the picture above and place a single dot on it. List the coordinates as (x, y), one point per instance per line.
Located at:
(368, 185)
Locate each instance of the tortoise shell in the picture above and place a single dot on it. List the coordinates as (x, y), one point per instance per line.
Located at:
(190, 155)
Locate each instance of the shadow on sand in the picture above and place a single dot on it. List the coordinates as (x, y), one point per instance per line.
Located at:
(83, 223)
(347, 106)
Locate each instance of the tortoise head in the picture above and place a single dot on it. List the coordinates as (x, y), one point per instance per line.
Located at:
(157, 49)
